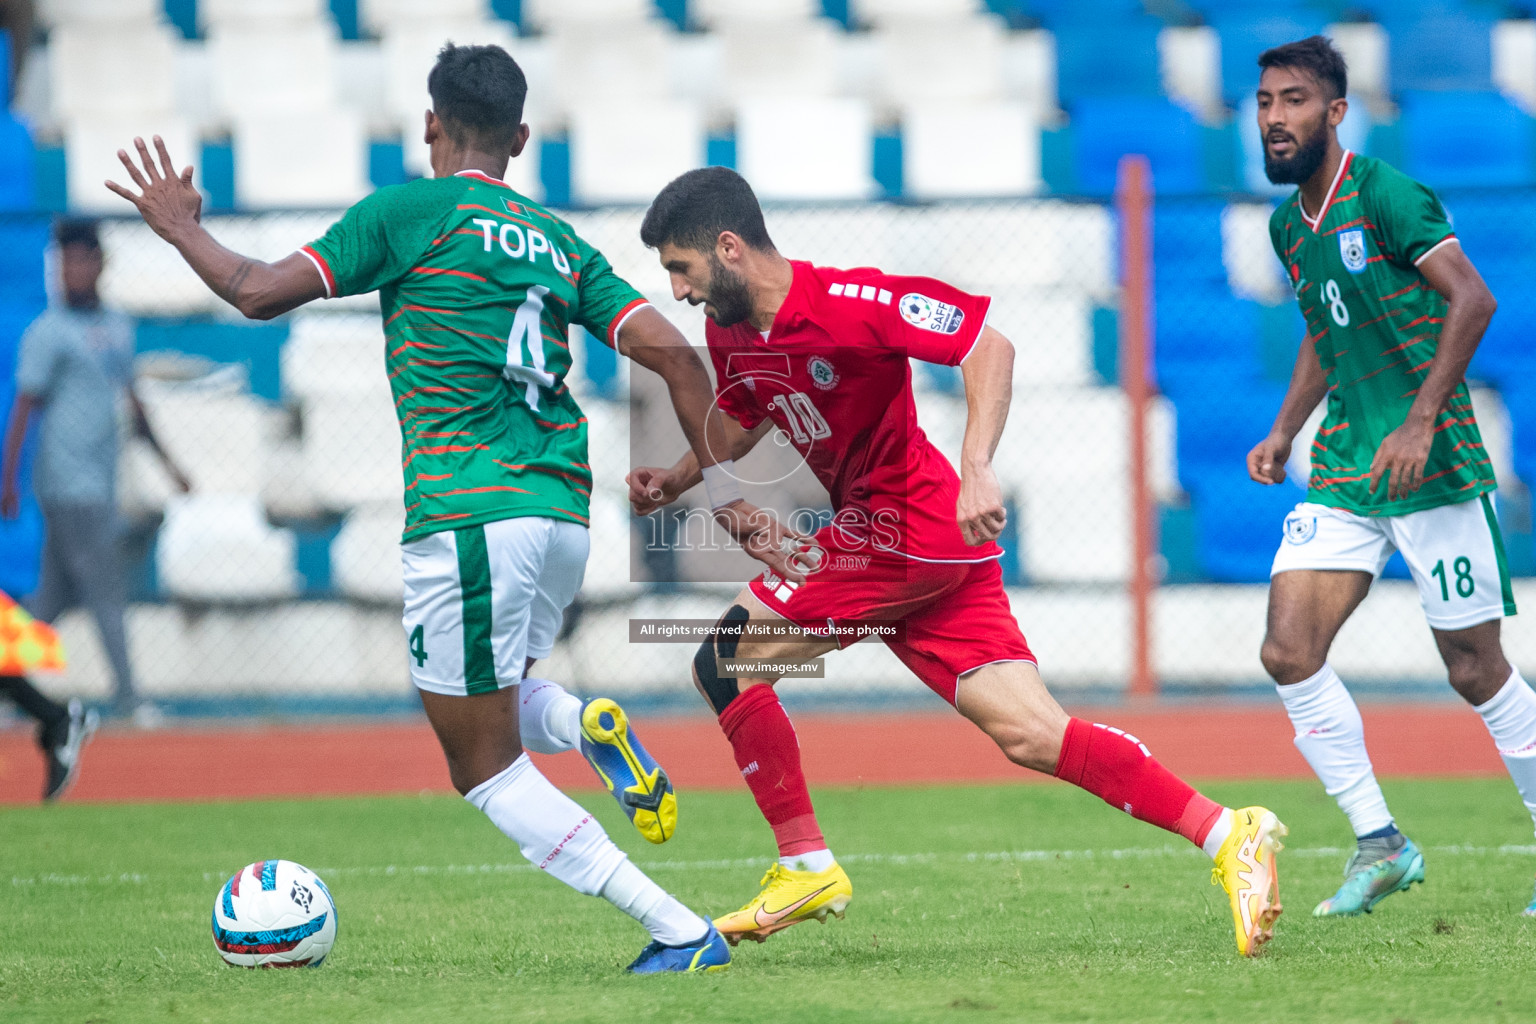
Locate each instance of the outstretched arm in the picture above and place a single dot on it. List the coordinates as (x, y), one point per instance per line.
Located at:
(1266, 462)
(1469, 308)
(650, 340)
(988, 375)
(172, 207)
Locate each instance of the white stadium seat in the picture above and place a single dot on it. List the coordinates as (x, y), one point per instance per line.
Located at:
(114, 13)
(90, 157)
(273, 70)
(718, 13)
(318, 159)
(778, 59)
(352, 450)
(331, 354)
(1514, 60)
(594, 63)
(970, 150)
(1052, 335)
(1364, 46)
(1189, 62)
(555, 14)
(142, 275)
(112, 69)
(623, 152)
(880, 12)
(284, 13)
(217, 433)
(381, 16)
(941, 59)
(806, 148)
(220, 548)
(365, 556)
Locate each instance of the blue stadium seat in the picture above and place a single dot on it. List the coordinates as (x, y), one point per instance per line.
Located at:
(1467, 138)
(1219, 420)
(1507, 354)
(1238, 524)
(1498, 233)
(1202, 335)
(1187, 243)
(1107, 128)
(1247, 33)
(18, 185)
(23, 240)
(1438, 49)
(1520, 400)
(1105, 57)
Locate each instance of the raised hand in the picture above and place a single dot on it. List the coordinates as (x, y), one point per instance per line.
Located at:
(166, 200)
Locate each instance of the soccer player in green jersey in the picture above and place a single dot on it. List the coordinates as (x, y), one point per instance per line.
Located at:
(478, 287)
(1394, 313)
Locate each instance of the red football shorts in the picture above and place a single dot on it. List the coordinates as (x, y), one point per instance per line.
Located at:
(954, 616)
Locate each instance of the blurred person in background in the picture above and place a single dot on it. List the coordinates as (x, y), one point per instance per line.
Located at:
(73, 368)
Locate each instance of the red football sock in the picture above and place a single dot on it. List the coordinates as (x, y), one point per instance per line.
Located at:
(768, 754)
(1118, 768)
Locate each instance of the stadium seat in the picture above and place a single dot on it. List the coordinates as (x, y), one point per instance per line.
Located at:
(1443, 48)
(90, 157)
(1099, 57)
(940, 59)
(999, 157)
(220, 548)
(1085, 540)
(333, 353)
(557, 15)
(717, 14)
(623, 152)
(380, 17)
(1453, 139)
(1105, 129)
(287, 13)
(599, 61)
(1239, 523)
(1218, 425)
(1246, 34)
(143, 276)
(97, 70)
(1514, 60)
(1190, 60)
(352, 450)
(806, 148)
(273, 70)
(1187, 242)
(113, 13)
(882, 12)
(214, 430)
(365, 556)
(1364, 46)
(1253, 272)
(320, 159)
(778, 59)
(18, 171)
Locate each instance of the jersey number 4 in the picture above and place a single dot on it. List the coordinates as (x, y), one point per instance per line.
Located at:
(805, 421)
(528, 334)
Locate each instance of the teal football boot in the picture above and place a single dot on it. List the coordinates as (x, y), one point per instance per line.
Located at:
(1367, 883)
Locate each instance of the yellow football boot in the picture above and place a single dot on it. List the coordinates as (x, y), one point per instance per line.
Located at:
(788, 897)
(637, 782)
(1245, 867)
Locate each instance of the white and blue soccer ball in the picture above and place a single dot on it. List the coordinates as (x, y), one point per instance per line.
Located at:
(274, 913)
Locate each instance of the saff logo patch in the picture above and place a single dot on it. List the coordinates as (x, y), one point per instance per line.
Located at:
(930, 314)
(822, 373)
(1352, 250)
(1300, 528)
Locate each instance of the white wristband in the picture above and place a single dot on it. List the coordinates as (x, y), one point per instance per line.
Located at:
(720, 484)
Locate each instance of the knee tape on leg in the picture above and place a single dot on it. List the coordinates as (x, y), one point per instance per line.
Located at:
(720, 646)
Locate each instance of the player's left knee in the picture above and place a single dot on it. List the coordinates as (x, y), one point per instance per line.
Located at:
(720, 690)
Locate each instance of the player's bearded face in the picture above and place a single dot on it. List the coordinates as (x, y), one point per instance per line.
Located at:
(729, 301)
(1308, 147)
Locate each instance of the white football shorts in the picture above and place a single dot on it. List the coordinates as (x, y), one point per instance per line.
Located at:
(1455, 553)
(481, 600)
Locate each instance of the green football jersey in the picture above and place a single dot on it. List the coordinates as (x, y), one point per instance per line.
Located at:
(478, 288)
(1376, 324)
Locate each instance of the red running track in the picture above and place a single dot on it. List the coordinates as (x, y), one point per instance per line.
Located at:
(1231, 742)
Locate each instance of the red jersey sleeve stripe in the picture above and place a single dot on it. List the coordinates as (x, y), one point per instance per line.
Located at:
(618, 322)
(326, 277)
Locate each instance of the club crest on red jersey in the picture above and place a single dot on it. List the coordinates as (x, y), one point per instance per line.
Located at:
(930, 314)
(822, 373)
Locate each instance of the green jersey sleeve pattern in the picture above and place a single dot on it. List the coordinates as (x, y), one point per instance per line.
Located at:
(1375, 325)
(379, 240)
(604, 299)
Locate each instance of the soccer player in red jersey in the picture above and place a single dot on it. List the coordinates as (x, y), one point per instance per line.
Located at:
(822, 355)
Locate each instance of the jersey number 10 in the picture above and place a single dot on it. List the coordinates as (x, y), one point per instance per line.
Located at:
(805, 420)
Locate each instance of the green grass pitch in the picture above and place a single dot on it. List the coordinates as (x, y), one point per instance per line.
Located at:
(970, 904)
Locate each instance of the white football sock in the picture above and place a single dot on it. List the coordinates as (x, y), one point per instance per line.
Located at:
(669, 922)
(1220, 829)
(548, 717)
(1331, 736)
(811, 860)
(1511, 719)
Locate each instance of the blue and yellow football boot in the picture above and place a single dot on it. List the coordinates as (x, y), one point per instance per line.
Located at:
(637, 782)
(1368, 882)
(705, 956)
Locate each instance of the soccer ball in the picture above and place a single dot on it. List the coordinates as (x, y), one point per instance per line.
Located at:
(274, 913)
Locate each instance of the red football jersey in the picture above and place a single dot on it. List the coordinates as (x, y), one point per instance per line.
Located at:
(833, 375)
